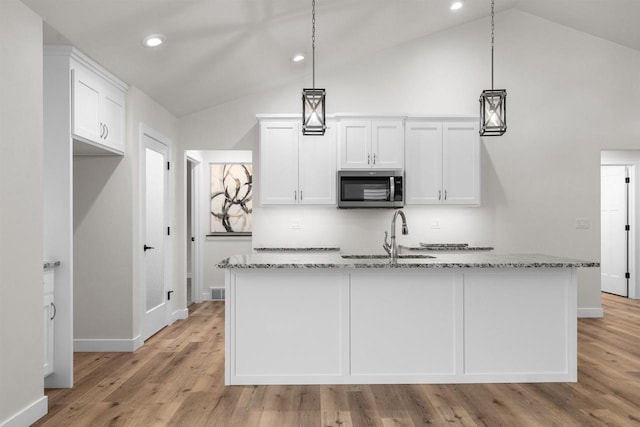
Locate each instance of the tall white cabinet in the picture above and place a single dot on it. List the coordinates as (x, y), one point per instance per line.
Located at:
(442, 161)
(84, 114)
(296, 169)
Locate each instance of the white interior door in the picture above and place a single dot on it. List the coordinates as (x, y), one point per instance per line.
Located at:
(614, 244)
(154, 296)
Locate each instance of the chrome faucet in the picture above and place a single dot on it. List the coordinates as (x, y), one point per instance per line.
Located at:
(392, 249)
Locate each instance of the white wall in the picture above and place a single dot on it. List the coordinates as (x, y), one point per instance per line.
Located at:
(102, 246)
(569, 96)
(22, 400)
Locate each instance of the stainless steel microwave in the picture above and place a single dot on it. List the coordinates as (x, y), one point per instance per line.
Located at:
(371, 189)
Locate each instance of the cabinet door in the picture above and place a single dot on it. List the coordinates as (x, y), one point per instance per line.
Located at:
(461, 163)
(387, 144)
(355, 144)
(112, 117)
(48, 312)
(48, 315)
(85, 114)
(279, 162)
(423, 163)
(317, 168)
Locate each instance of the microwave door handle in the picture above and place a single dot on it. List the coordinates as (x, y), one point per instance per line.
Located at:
(393, 189)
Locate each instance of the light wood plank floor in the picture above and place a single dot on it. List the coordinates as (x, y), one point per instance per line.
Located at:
(177, 379)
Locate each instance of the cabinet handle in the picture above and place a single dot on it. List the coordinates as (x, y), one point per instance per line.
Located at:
(300, 195)
(101, 130)
(55, 311)
(106, 133)
(439, 194)
(445, 194)
(295, 195)
(368, 159)
(374, 158)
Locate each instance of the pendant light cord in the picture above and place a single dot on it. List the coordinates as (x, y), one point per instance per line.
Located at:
(492, 27)
(313, 42)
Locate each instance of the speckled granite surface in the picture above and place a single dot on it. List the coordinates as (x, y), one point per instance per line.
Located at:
(306, 249)
(444, 247)
(444, 260)
(51, 264)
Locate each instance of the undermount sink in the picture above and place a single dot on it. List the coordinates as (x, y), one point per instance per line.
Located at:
(402, 256)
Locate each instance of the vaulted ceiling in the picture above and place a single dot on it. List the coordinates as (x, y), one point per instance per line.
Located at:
(219, 50)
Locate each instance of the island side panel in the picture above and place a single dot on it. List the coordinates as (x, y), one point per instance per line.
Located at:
(520, 325)
(288, 326)
(403, 325)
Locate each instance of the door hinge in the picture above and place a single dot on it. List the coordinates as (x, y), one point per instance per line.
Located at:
(627, 227)
(168, 166)
(168, 231)
(627, 275)
(169, 295)
(627, 180)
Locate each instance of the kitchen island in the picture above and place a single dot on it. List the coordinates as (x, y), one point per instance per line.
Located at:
(456, 318)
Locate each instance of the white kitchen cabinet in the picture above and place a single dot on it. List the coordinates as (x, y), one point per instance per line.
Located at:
(48, 317)
(98, 110)
(296, 169)
(371, 143)
(442, 162)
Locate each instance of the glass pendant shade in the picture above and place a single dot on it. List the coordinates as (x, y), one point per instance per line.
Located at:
(313, 112)
(493, 112)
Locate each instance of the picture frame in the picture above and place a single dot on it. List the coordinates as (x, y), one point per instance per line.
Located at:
(231, 199)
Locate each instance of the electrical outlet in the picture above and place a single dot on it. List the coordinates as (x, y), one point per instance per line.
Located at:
(295, 224)
(435, 224)
(583, 223)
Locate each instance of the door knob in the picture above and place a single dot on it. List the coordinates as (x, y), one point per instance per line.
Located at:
(146, 248)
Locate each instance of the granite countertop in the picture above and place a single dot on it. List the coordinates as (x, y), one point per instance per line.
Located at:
(300, 249)
(444, 260)
(445, 247)
(51, 264)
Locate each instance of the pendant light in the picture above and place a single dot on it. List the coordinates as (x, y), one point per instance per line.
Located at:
(313, 100)
(493, 103)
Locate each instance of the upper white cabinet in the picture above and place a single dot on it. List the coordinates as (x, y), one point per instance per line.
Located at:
(371, 143)
(296, 169)
(97, 111)
(442, 162)
(83, 102)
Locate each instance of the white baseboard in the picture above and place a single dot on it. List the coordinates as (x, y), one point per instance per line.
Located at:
(108, 345)
(590, 312)
(180, 315)
(28, 415)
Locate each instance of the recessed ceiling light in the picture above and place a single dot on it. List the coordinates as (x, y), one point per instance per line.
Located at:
(456, 5)
(154, 40)
(298, 57)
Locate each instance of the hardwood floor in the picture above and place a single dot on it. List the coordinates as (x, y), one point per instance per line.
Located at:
(177, 379)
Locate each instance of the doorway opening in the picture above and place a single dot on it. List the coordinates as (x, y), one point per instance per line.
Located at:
(618, 208)
(193, 245)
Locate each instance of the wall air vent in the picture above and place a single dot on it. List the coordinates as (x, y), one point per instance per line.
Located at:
(217, 294)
